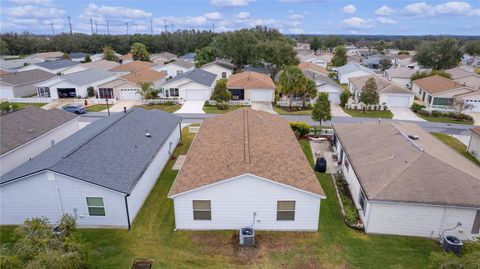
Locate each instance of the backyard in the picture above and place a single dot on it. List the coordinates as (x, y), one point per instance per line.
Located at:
(456, 145)
(334, 246)
(384, 114)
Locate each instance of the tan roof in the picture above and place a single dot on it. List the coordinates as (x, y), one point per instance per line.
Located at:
(3, 72)
(102, 64)
(51, 54)
(476, 130)
(146, 75)
(392, 167)
(246, 141)
(458, 72)
(115, 83)
(134, 66)
(250, 80)
(312, 67)
(127, 56)
(437, 84)
(383, 85)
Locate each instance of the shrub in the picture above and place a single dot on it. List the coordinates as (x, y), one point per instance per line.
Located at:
(417, 107)
(344, 98)
(5, 106)
(90, 91)
(300, 128)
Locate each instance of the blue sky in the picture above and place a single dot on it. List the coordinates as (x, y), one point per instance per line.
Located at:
(289, 16)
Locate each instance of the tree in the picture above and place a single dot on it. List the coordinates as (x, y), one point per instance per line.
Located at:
(472, 47)
(66, 56)
(90, 91)
(340, 56)
(438, 55)
(139, 52)
(425, 74)
(146, 90)
(87, 59)
(321, 110)
(109, 54)
(344, 96)
(369, 94)
(221, 95)
(332, 41)
(291, 81)
(316, 44)
(6, 106)
(4, 48)
(380, 46)
(240, 47)
(276, 55)
(204, 56)
(385, 64)
(310, 91)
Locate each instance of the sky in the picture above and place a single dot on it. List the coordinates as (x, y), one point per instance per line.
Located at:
(387, 17)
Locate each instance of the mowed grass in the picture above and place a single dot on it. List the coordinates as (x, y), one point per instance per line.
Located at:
(334, 246)
(456, 145)
(209, 109)
(445, 120)
(22, 105)
(96, 108)
(166, 108)
(286, 111)
(383, 114)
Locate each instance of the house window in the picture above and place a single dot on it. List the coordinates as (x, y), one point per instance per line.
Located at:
(224, 74)
(174, 92)
(106, 93)
(95, 206)
(285, 210)
(202, 210)
(346, 164)
(362, 200)
(439, 101)
(43, 92)
(476, 224)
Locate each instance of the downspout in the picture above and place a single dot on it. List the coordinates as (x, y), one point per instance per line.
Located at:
(59, 201)
(180, 128)
(128, 214)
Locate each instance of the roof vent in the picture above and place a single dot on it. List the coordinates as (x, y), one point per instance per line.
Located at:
(147, 134)
(413, 137)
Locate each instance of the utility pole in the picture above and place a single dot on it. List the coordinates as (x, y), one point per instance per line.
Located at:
(137, 27)
(108, 29)
(53, 32)
(70, 24)
(127, 27)
(165, 24)
(91, 24)
(96, 27)
(151, 27)
(213, 27)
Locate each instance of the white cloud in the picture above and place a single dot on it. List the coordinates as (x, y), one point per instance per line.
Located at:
(419, 8)
(243, 15)
(357, 23)
(475, 12)
(295, 16)
(36, 2)
(214, 16)
(385, 20)
(94, 11)
(384, 11)
(349, 9)
(457, 8)
(448, 8)
(33, 12)
(230, 3)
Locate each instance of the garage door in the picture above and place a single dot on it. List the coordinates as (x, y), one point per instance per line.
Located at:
(129, 94)
(334, 97)
(261, 95)
(196, 95)
(66, 92)
(398, 101)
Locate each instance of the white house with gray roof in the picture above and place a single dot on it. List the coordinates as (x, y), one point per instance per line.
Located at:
(194, 85)
(21, 84)
(54, 67)
(101, 175)
(222, 68)
(175, 68)
(351, 70)
(325, 84)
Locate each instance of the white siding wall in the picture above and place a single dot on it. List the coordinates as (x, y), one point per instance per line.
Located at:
(36, 196)
(141, 191)
(183, 87)
(31, 149)
(74, 69)
(217, 70)
(172, 69)
(233, 203)
(6, 91)
(344, 78)
(474, 146)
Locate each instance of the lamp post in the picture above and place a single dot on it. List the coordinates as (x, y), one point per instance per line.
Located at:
(108, 109)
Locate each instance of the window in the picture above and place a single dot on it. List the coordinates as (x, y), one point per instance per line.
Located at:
(362, 200)
(174, 92)
(285, 210)
(95, 206)
(224, 74)
(476, 224)
(105, 93)
(43, 92)
(443, 101)
(202, 210)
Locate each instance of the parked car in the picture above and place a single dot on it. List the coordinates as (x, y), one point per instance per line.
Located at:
(75, 108)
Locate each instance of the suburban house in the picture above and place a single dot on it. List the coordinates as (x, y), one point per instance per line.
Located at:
(30, 131)
(251, 86)
(125, 59)
(325, 84)
(99, 56)
(314, 59)
(18, 63)
(21, 84)
(351, 70)
(131, 67)
(313, 68)
(48, 56)
(373, 61)
(403, 60)
(474, 144)
(101, 64)
(194, 85)
(222, 68)
(401, 75)
(54, 67)
(237, 174)
(162, 57)
(175, 68)
(465, 78)
(404, 181)
(77, 56)
(101, 175)
(439, 93)
(73, 85)
(189, 57)
(128, 87)
(390, 94)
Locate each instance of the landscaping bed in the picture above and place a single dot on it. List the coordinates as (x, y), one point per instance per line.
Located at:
(350, 212)
(165, 107)
(384, 114)
(456, 145)
(210, 109)
(446, 119)
(282, 110)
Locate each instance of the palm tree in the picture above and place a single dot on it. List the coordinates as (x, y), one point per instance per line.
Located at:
(146, 90)
(310, 91)
(291, 81)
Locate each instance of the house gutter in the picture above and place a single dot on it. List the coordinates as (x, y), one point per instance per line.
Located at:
(128, 214)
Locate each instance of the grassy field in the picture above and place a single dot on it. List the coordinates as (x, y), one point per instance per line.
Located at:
(166, 108)
(333, 246)
(456, 145)
(214, 110)
(22, 105)
(284, 111)
(445, 119)
(96, 108)
(369, 114)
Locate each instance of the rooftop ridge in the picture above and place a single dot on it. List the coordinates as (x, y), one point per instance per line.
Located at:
(246, 137)
(407, 138)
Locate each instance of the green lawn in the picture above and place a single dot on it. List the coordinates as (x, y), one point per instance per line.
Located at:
(444, 119)
(369, 114)
(284, 111)
(334, 246)
(96, 108)
(22, 105)
(166, 108)
(214, 110)
(456, 145)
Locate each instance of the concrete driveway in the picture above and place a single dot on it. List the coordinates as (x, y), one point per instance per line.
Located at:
(195, 107)
(337, 111)
(475, 116)
(264, 106)
(404, 113)
(119, 105)
(58, 103)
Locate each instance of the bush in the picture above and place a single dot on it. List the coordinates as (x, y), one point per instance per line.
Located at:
(417, 107)
(344, 98)
(90, 91)
(5, 106)
(300, 128)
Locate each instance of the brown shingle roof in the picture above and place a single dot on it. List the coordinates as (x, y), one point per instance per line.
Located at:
(250, 80)
(312, 67)
(127, 56)
(146, 75)
(24, 125)
(134, 66)
(383, 85)
(476, 130)
(246, 141)
(436, 84)
(102, 64)
(391, 167)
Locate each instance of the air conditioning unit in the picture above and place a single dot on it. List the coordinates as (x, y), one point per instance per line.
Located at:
(247, 237)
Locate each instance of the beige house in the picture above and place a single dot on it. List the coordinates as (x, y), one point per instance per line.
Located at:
(251, 86)
(465, 78)
(474, 144)
(128, 87)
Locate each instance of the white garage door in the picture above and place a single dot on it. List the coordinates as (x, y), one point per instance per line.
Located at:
(129, 94)
(261, 95)
(334, 97)
(473, 105)
(398, 101)
(196, 95)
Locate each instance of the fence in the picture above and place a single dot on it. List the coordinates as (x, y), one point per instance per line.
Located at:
(29, 100)
(361, 106)
(161, 101)
(231, 103)
(287, 103)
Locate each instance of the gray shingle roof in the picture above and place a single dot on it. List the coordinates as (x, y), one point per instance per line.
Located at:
(320, 79)
(24, 125)
(57, 64)
(26, 77)
(352, 67)
(183, 63)
(77, 55)
(88, 76)
(223, 63)
(197, 75)
(189, 56)
(112, 153)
